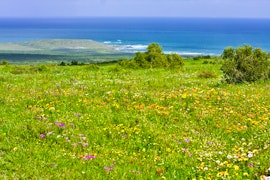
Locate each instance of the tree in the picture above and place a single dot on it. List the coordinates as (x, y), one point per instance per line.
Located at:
(245, 64)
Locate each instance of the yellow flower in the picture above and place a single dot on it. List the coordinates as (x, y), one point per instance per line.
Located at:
(236, 168)
(223, 174)
(52, 109)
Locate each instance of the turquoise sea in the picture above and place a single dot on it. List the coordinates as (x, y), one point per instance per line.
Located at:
(186, 36)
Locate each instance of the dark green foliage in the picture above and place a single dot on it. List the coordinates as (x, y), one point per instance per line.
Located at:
(154, 57)
(62, 64)
(245, 64)
(74, 63)
(4, 62)
(201, 57)
(207, 75)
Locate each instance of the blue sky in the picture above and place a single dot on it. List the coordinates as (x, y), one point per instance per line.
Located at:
(137, 8)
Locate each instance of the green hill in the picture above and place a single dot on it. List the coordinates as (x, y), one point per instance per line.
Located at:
(57, 50)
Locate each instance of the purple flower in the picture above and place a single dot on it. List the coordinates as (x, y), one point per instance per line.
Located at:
(187, 140)
(42, 136)
(87, 157)
(250, 165)
(61, 125)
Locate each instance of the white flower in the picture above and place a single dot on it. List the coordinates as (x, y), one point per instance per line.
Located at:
(205, 168)
(229, 157)
(218, 162)
(250, 154)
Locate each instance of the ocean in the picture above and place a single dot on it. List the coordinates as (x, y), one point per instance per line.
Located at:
(186, 36)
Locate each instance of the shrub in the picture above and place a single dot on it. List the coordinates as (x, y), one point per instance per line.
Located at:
(62, 64)
(4, 62)
(206, 74)
(154, 57)
(245, 64)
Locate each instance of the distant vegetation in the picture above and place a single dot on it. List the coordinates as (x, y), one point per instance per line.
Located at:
(154, 57)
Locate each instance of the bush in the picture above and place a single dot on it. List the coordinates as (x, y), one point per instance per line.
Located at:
(245, 64)
(154, 57)
(207, 75)
(4, 62)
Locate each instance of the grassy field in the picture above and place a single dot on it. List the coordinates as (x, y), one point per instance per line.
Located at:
(107, 122)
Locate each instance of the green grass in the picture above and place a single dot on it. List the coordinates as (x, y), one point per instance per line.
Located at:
(83, 122)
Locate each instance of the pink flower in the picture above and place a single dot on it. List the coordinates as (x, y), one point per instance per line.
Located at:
(107, 168)
(187, 140)
(42, 136)
(250, 165)
(87, 157)
(59, 124)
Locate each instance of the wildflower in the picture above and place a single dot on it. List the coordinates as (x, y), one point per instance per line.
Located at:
(210, 143)
(250, 165)
(78, 115)
(84, 144)
(184, 150)
(42, 136)
(250, 154)
(53, 165)
(236, 168)
(61, 125)
(205, 168)
(74, 144)
(108, 168)
(223, 174)
(229, 157)
(87, 157)
(52, 109)
(187, 140)
(49, 133)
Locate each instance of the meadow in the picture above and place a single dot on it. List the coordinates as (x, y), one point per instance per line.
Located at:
(110, 122)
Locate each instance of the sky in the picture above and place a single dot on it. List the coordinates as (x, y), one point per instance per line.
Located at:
(135, 8)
